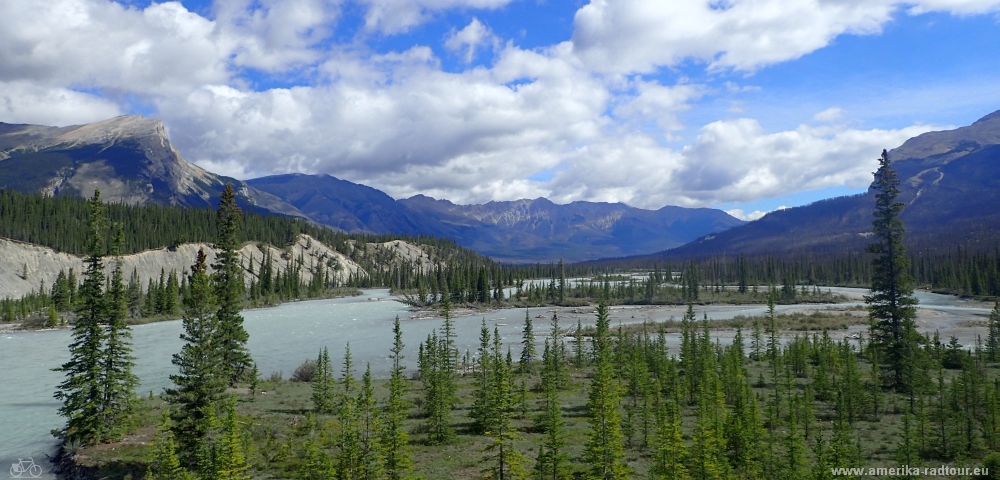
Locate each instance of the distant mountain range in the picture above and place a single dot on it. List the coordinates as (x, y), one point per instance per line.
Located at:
(950, 184)
(517, 231)
(130, 159)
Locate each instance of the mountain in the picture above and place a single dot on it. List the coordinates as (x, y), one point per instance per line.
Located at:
(950, 184)
(129, 158)
(540, 230)
(344, 205)
(518, 231)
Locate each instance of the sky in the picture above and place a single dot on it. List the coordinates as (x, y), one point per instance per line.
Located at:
(744, 105)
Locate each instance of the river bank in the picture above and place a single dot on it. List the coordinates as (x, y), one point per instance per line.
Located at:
(41, 324)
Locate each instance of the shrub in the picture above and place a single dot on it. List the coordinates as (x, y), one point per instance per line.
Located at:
(305, 372)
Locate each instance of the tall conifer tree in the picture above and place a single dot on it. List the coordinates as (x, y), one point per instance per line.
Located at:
(228, 278)
(82, 392)
(119, 382)
(395, 439)
(605, 451)
(198, 383)
(891, 306)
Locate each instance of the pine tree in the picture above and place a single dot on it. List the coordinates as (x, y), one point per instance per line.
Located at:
(670, 458)
(350, 458)
(604, 452)
(82, 392)
(708, 455)
(993, 334)
(372, 454)
(323, 396)
(503, 461)
(483, 395)
(438, 372)
(198, 383)
(553, 461)
(228, 282)
(316, 463)
(891, 305)
(527, 345)
(229, 453)
(164, 464)
(119, 383)
(579, 355)
(395, 439)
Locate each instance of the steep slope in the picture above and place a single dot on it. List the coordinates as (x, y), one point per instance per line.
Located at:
(950, 183)
(129, 158)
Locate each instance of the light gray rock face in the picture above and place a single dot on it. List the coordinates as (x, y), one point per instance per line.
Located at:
(129, 158)
(25, 267)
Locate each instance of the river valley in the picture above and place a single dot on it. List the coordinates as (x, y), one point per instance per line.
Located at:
(283, 337)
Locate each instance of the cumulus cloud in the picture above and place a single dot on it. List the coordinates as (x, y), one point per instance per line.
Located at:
(623, 36)
(24, 102)
(162, 49)
(418, 130)
(398, 122)
(471, 38)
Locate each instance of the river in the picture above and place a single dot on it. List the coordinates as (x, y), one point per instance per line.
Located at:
(283, 337)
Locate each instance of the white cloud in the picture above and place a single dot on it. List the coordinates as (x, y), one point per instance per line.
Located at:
(471, 38)
(957, 7)
(163, 49)
(737, 161)
(400, 123)
(625, 36)
(829, 115)
(274, 35)
(397, 16)
(24, 102)
(638, 36)
(747, 217)
(658, 103)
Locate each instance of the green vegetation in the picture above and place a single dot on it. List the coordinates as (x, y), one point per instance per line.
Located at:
(815, 404)
(98, 395)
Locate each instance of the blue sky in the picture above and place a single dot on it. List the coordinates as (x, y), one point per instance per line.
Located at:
(747, 107)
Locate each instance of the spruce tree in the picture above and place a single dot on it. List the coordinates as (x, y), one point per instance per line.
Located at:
(369, 424)
(323, 397)
(527, 345)
(395, 439)
(164, 464)
(198, 383)
(228, 282)
(119, 382)
(229, 453)
(553, 461)
(82, 392)
(891, 305)
(604, 451)
(670, 457)
(503, 461)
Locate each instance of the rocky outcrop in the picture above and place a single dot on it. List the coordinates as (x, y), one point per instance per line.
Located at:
(25, 267)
